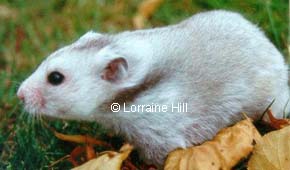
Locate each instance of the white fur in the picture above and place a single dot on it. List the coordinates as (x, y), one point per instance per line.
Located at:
(217, 62)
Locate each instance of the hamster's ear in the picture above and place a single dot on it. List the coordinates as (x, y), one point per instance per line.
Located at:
(90, 35)
(116, 70)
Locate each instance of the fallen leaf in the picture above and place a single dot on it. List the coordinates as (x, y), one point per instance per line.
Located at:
(90, 152)
(272, 152)
(80, 139)
(75, 154)
(277, 123)
(85, 153)
(227, 148)
(110, 160)
(145, 11)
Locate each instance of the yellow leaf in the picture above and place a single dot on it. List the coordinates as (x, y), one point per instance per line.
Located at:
(227, 148)
(80, 139)
(108, 161)
(145, 11)
(272, 152)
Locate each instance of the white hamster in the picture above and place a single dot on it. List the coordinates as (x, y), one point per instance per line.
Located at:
(176, 85)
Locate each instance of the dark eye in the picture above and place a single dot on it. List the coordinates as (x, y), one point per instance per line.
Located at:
(55, 78)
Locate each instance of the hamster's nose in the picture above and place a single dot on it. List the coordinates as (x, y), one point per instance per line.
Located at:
(20, 95)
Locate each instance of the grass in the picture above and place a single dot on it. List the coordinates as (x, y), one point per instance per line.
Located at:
(33, 29)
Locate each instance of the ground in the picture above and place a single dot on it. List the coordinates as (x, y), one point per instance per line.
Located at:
(30, 30)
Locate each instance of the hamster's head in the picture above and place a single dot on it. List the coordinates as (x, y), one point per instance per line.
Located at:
(74, 81)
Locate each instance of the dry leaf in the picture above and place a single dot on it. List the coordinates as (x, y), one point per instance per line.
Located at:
(272, 152)
(80, 139)
(75, 154)
(86, 152)
(79, 151)
(108, 161)
(145, 11)
(90, 152)
(277, 123)
(227, 148)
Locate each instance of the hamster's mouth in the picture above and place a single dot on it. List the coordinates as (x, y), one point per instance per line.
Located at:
(32, 110)
(34, 104)
(33, 107)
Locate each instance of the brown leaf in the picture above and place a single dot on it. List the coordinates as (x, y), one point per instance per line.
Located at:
(80, 139)
(86, 152)
(108, 161)
(76, 153)
(90, 152)
(277, 123)
(227, 148)
(272, 152)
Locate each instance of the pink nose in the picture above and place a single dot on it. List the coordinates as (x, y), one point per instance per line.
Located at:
(20, 95)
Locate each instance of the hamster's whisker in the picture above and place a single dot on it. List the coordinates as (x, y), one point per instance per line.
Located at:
(40, 119)
(285, 108)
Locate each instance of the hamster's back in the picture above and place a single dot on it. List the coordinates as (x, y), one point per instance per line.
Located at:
(236, 54)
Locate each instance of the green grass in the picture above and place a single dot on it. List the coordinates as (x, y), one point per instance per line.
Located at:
(39, 27)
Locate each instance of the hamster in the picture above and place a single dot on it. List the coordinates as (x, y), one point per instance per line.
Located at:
(175, 86)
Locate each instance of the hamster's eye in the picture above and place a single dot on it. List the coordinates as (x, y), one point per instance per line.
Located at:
(55, 78)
